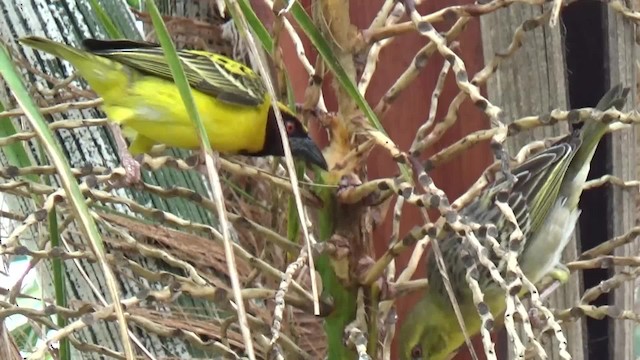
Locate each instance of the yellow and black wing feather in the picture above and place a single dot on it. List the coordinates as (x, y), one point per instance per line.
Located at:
(213, 74)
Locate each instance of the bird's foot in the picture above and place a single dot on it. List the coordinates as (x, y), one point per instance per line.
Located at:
(538, 320)
(554, 278)
(348, 182)
(351, 190)
(132, 172)
(560, 273)
(131, 168)
(550, 282)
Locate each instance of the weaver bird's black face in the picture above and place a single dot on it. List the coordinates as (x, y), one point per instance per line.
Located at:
(302, 147)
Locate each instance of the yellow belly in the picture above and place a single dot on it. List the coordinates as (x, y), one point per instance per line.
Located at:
(153, 108)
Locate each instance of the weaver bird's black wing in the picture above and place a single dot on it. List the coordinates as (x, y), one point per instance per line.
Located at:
(219, 76)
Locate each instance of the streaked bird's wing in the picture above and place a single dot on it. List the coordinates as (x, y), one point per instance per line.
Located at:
(213, 74)
(544, 200)
(535, 191)
(531, 198)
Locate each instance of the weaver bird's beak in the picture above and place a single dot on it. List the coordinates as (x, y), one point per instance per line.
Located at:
(305, 149)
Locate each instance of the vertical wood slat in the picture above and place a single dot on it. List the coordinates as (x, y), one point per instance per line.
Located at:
(533, 82)
(621, 212)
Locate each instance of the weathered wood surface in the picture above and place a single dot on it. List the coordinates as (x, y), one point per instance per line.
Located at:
(533, 82)
(622, 56)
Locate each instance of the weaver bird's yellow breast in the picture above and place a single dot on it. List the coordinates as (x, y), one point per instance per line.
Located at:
(153, 107)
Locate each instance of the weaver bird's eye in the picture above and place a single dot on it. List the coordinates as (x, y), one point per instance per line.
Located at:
(291, 127)
(416, 352)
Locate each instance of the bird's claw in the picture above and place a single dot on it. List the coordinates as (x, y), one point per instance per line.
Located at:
(132, 169)
(554, 278)
(132, 172)
(535, 318)
(351, 190)
(560, 273)
(348, 182)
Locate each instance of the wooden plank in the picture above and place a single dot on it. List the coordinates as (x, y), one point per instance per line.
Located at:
(533, 82)
(621, 54)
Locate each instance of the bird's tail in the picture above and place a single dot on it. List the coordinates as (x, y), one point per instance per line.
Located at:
(590, 134)
(104, 75)
(615, 97)
(592, 131)
(71, 54)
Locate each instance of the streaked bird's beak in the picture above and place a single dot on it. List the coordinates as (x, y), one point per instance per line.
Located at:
(304, 148)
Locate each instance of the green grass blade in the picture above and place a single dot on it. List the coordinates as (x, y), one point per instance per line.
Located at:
(59, 282)
(177, 71)
(293, 219)
(103, 17)
(75, 198)
(185, 93)
(16, 154)
(257, 26)
(323, 48)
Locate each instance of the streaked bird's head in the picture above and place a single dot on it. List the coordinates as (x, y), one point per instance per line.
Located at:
(302, 147)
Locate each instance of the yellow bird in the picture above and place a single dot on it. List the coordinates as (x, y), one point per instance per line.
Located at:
(138, 90)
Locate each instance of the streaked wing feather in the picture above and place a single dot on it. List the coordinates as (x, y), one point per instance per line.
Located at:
(228, 72)
(537, 187)
(209, 73)
(546, 170)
